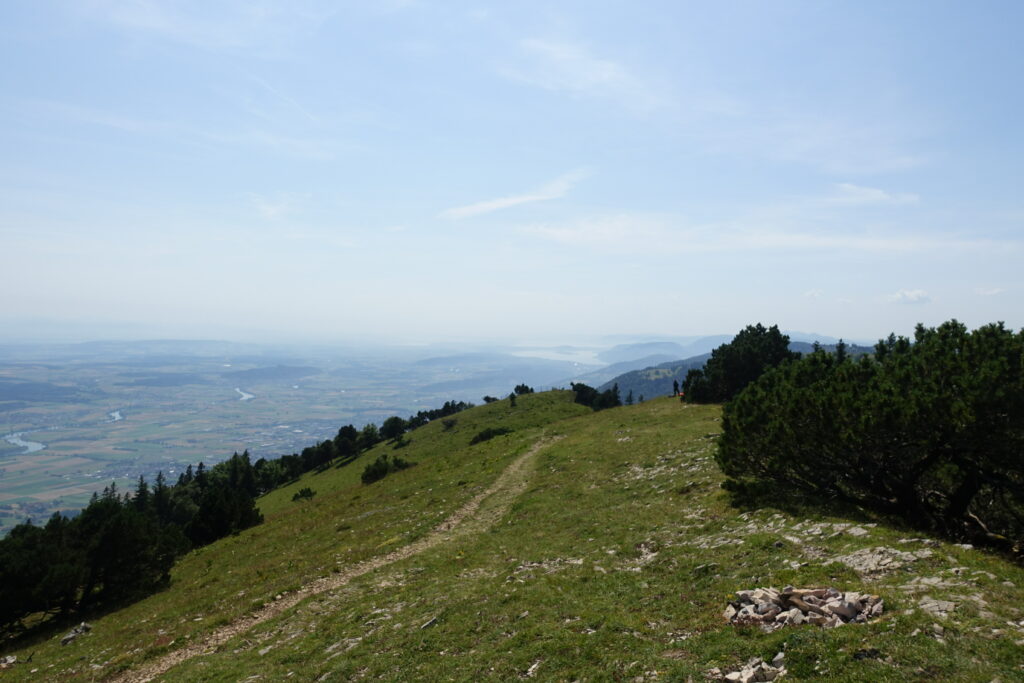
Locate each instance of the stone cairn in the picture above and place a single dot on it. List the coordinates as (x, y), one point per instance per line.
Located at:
(826, 607)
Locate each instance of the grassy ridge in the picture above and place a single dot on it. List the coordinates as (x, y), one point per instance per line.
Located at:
(614, 564)
(345, 523)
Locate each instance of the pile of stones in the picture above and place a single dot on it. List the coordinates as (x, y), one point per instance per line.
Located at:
(754, 671)
(826, 607)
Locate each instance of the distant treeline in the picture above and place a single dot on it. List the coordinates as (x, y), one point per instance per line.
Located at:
(598, 400)
(121, 547)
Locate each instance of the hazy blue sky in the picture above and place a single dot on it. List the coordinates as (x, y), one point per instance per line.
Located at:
(421, 170)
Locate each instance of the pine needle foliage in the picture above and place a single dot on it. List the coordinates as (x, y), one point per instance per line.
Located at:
(930, 430)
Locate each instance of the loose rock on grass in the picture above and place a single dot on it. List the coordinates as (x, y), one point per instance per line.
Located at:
(75, 632)
(755, 670)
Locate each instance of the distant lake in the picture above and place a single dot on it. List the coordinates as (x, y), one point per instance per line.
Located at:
(245, 396)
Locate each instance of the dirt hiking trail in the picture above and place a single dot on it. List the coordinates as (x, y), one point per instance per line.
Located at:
(509, 485)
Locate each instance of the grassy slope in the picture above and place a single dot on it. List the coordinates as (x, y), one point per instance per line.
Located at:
(614, 564)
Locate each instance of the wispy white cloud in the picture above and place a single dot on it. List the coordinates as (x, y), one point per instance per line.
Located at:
(814, 294)
(289, 145)
(314, 148)
(221, 25)
(289, 101)
(92, 116)
(632, 232)
(571, 68)
(988, 291)
(801, 133)
(623, 231)
(848, 194)
(274, 207)
(909, 296)
(837, 144)
(555, 189)
(797, 240)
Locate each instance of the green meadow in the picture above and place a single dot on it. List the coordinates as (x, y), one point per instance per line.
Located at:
(606, 551)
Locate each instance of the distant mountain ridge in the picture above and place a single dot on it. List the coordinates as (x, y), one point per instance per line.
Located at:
(656, 380)
(633, 351)
(602, 375)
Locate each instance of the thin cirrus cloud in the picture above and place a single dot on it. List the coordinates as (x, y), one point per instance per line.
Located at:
(275, 207)
(988, 291)
(555, 189)
(838, 144)
(615, 232)
(632, 232)
(227, 25)
(256, 137)
(725, 123)
(571, 68)
(848, 194)
(804, 134)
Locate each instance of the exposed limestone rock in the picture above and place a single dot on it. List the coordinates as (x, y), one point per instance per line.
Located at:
(8, 661)
(925, 541)
(756, 670)
(75, 632)
(881, 560)
(939, 608)
(527, 570)
(826, 607)
(648, 551)
(923, 583)
(809, 528)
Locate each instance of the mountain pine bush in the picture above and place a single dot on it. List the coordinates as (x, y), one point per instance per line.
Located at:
(930, 430)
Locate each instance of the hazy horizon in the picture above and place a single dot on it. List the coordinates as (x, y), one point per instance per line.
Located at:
(412, 171)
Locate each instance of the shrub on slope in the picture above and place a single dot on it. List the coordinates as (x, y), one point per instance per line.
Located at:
(734, 365)
(931, 431)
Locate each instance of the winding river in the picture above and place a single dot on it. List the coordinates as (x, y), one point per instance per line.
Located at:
(29, 446)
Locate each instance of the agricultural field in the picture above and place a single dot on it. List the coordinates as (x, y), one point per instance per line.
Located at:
(75, 419)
